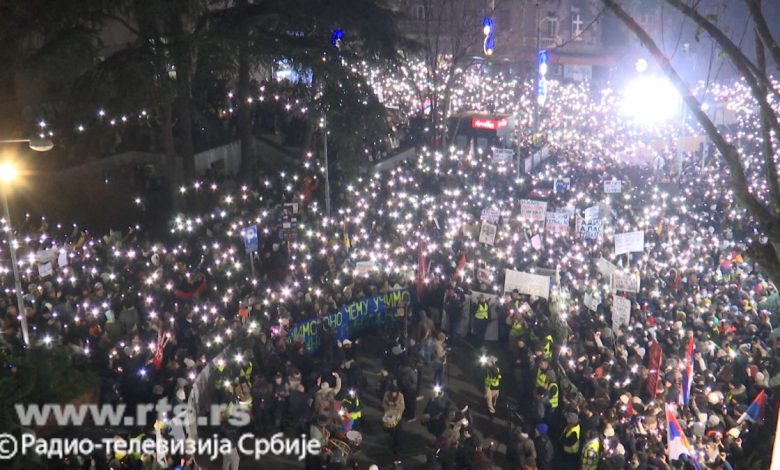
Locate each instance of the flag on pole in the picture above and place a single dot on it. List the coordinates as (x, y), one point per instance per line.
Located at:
(687, 378)
(756, 410)
(459, 269)
(676, 442)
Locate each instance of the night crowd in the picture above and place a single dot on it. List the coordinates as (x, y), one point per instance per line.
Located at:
(149, 315)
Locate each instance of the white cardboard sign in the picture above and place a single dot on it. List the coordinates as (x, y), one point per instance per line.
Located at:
(533, 211)
(629, 242)
(621, 312)
(527, 283)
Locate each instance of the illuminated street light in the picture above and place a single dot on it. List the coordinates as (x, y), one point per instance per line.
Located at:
(8, 172)
(650, 100)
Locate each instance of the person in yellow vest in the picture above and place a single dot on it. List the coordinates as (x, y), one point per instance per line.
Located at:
(552, 391)
(481, 318)
(541, 373)
(570, 442)
(353, 409)
(548, 347)
(591, 452)
(492, 386)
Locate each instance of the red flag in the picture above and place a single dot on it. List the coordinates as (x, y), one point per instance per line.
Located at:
(422, 271)
(630, 409)
(459, 269)
(654, 364)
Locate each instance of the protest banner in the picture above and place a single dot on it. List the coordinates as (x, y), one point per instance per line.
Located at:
(591, 213)
(366, 267)
(536, 242)
(44, 256)
(491, 216)
(621, 312)
(590, 229)
(484, 275)
(352, 319)
(561, 185)
(527, 283)
(613, 186)
(629, 242)
(487, 234)
(626, 282)
(533, 211)
(503, 156)
(62, 259)
(591, 302)
(45, 269)
(557, 222)
(251, 239)
(605, 267)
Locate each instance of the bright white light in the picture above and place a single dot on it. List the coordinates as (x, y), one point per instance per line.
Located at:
(641, 65)
(650, 100)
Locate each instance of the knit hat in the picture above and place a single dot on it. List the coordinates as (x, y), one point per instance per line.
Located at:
(541, 428)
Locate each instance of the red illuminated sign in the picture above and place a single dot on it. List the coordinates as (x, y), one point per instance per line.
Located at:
(489, 124)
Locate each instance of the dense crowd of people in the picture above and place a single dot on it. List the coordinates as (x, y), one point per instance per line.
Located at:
(586, 389)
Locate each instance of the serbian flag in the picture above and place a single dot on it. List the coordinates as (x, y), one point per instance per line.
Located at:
(756, 410)
(687, 379)
(422, 271)
(459, 269)
(677, 443)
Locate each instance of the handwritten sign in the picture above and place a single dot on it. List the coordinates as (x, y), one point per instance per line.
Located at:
(490, 216)
(557, 222)
(45, 269)
(503, 156)
(487, 234)
(629, 242)
(613, 186)
(621, 312)
(561, 185)
(533, 211)
(591, 302)
(605, 267)
(527, 283)
(626, 282)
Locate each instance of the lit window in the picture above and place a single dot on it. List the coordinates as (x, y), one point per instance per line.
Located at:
(576, 24)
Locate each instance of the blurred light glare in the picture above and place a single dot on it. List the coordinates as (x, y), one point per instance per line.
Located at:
(650, 100)
(641, 65)
(8, 172)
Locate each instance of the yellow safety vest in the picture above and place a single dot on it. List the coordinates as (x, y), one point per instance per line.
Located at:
(574, 448)
(246, 373)
(516, 329)
(552, 390)
(482, 311)
(548, 347)
(357, 413)
(593, 447)
(541, 378)
(493, 381)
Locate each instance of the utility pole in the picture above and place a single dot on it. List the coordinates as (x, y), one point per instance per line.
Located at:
(536, 75)
(323, 125)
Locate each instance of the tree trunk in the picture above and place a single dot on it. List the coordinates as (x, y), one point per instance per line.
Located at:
(248, 163)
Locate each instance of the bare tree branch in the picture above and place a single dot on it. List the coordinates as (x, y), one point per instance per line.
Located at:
(745, 67)
(728, 153)
(767, 148)
(762, 30)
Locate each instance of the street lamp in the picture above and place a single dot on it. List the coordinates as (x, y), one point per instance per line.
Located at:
(9, 172)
